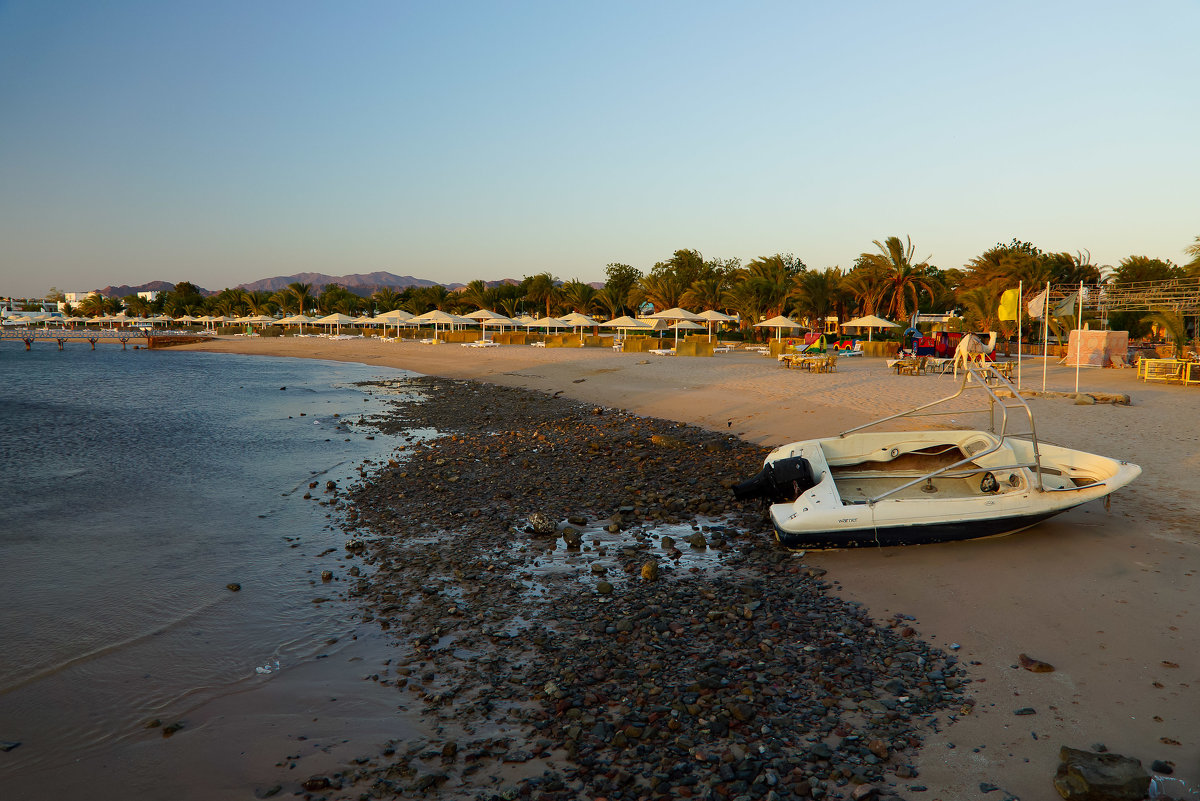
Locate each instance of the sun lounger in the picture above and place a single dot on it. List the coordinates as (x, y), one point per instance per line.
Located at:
(663, 352)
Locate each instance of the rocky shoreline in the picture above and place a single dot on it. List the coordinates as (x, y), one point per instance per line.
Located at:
(582, 610)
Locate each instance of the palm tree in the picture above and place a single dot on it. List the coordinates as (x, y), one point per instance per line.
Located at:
(704, 293)
(230, 302)
(610, 300)
(347, 303)
(477, 295)
(903, 280)
(663, 290)
(336, 298)
(1193, 266)
(259, 302)
(425, 298)
(980, 306)
(302, 292)
(817, 293)
(510, 307)
(137, 306)
(771, 278)
(579, 296)
(1173, 323)
(385, 299)
(175, 306)
(92, 305)
(286, 301)
(866, 284)
(743, 299)
(541, 290)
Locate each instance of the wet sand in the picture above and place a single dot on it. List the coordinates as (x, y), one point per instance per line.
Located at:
(1107, 597)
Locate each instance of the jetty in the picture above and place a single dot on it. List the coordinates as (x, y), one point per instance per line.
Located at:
(154, 339)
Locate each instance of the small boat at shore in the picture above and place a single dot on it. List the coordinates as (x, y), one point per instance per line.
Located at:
(882, 488)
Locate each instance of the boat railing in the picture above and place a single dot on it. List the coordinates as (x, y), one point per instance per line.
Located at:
(976, 376)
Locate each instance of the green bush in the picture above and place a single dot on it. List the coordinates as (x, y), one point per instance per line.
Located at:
(269, 331)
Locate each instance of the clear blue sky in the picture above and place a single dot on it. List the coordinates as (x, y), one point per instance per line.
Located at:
(223, 142)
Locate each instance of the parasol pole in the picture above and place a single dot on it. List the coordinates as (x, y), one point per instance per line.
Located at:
(1079, 337)
(1045, 334)
(1020, 303)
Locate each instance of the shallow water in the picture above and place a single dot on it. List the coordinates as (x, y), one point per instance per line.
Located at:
(138, 484)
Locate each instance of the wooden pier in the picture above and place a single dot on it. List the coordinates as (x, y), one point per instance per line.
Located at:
(154, 339)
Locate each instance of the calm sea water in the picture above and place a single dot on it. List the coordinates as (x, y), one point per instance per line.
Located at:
(135, 486)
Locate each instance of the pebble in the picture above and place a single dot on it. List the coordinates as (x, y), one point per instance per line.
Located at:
(721, 674)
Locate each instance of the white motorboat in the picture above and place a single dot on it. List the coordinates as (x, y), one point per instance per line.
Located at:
(865, 488)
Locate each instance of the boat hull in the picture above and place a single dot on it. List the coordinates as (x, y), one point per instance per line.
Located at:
(916, 534)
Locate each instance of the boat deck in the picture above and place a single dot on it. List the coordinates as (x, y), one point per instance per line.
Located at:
(857, 488)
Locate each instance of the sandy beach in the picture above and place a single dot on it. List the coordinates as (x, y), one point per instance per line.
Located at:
(1106, 596)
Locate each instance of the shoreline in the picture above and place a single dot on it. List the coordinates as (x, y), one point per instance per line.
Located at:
(1105, 599)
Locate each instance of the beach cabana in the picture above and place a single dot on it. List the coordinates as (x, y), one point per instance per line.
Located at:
(778, 323)
(869, 322)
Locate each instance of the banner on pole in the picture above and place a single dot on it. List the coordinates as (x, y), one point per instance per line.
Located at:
(1037, 306)
(1067, 307)
(1010, 303)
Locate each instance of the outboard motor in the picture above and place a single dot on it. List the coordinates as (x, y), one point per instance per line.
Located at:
(778, 482)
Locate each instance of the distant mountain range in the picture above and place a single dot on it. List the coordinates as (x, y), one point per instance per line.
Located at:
(358, 283)
(124, 290)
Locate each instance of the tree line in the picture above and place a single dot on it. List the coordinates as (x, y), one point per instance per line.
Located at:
(889, 280)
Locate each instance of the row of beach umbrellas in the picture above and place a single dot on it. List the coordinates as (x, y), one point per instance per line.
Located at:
(683, 320)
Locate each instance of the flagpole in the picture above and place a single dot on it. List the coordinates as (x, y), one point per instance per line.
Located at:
(1079, 337)
(1045, 334)
(1020, 303)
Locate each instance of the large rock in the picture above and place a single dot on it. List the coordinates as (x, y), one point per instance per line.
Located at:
(573, 538)
(541, 525)
(1087, 776)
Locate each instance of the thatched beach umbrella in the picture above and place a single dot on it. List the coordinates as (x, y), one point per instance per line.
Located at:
(336, 319)
(578, 320)
(624, 324)
(779, 323)
(684, 324)
(712, 317)
(396, 317)
(869, 322)
(439, 317)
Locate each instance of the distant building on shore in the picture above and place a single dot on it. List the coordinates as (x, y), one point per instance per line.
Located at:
(11, 306)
